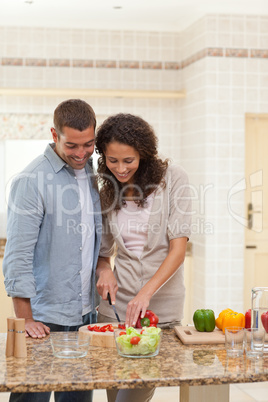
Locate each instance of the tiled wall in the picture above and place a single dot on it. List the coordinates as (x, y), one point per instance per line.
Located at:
(56, 58)
(221, 87)
(221, 61)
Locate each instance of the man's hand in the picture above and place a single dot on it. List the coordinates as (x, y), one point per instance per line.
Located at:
(35, 329)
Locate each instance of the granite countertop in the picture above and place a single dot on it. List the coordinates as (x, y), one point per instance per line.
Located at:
(102, 368)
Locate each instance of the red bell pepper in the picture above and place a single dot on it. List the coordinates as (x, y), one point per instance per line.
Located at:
(248, 319)
(264, 320)
(150, 319)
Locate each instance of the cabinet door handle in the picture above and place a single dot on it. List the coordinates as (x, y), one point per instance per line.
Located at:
(251, 246)
(250, 215)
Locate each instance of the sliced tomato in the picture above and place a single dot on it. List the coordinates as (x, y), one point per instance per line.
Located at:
(135, 340)
(122, 326)
(105, 328)
(122, 333)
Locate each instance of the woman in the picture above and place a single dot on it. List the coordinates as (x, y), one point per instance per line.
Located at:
(146, 218)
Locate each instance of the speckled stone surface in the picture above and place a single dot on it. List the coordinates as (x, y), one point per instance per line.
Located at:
(102, 368)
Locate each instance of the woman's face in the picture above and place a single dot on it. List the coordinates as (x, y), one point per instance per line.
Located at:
(122, 160)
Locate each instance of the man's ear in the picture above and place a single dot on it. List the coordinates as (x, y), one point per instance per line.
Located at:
(54, 135)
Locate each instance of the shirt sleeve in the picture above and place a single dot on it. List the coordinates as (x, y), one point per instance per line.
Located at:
(180, 212)
(25, 215)
(108, 247)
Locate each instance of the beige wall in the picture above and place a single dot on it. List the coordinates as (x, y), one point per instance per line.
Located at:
(6, 309)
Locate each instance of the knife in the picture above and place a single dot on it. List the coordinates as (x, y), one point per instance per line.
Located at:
(110, 302)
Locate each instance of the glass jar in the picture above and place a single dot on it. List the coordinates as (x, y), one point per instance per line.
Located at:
(259, 312)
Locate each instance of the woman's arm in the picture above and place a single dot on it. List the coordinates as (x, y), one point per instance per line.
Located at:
(174, 259)
(106, 279)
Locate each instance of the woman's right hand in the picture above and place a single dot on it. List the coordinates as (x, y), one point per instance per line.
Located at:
(106, 280)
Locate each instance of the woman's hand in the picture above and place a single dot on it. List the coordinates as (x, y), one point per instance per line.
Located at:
(106, 280)
(172, 262)
(139, 304)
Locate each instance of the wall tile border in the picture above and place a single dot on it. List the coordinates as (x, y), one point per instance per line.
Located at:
(135, 64)
(236, 52)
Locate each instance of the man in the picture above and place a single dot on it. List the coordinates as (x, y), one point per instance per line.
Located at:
(53, 235)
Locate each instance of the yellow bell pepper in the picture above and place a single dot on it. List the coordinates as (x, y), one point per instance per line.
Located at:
(233, 319)
(220, 318)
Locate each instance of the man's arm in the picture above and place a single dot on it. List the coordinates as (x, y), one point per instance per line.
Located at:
(33, 328)
(25, 214)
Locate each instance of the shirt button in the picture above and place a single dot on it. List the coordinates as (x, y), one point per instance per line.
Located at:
(80, 294)
(80, 248)
(75, 177)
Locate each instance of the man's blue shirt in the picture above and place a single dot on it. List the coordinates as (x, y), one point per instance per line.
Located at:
(43, 257)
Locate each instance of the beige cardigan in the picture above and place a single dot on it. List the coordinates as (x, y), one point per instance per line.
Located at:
(170, 218)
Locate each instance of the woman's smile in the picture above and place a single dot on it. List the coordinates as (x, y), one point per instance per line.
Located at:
(122, 160)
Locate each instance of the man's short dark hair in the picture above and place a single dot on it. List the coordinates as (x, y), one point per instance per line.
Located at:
(74, 113)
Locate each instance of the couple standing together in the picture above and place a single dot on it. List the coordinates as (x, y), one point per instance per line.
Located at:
(62, 232)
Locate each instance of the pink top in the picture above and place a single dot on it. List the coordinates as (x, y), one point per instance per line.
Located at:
(133, 223)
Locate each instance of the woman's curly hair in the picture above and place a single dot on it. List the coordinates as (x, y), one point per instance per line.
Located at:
(133, 131)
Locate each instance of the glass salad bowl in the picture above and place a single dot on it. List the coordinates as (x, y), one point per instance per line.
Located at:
(137, 343)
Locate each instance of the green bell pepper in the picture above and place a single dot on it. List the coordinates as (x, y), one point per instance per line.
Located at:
(204, 320)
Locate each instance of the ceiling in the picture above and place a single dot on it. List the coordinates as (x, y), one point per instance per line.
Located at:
(142, 15)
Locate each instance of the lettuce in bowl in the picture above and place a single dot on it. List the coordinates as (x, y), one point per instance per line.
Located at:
(148, 344)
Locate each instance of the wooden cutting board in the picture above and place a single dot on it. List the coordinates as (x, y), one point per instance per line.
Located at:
(103, 339)
(190, 336)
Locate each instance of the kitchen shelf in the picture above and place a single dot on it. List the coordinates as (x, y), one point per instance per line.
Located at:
(94, 93)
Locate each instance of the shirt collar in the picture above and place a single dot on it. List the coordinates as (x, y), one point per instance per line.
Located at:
(56, 162)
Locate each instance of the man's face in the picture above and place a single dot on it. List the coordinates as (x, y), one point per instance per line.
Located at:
(73, 146)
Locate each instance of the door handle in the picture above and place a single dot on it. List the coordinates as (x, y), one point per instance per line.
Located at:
(251, 246)
(250, 215)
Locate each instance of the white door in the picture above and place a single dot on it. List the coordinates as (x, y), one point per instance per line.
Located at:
(256, 201)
